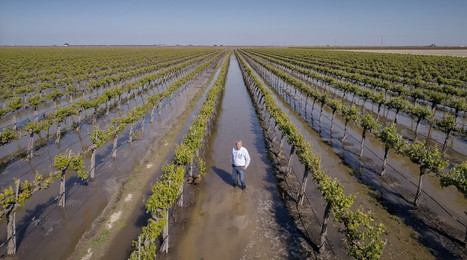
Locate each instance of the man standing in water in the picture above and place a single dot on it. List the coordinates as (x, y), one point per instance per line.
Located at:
(240, 159)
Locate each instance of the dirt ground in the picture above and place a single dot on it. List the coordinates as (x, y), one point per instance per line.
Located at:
(435, 52)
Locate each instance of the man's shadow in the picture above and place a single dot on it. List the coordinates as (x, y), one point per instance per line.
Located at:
(224, 175)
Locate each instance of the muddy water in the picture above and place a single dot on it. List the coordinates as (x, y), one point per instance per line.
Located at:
(121, 247)
(400, 243)
(457, 147)
(11, 150)
(226, 222)
(74, 140)
(25, 115)
(46, 231)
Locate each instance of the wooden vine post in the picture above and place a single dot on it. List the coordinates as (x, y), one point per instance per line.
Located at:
(11, 224)
(61, 200)
(301, 195)
(93, 162)
(165, 231)
(289, 163)
(312, 164)
(61, 162)
(324, 228)
(165, 235)
(98, 138)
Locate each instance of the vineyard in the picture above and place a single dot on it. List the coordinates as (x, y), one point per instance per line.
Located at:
(109, 152)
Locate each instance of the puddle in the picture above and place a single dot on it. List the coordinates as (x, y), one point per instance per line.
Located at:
(225, 221)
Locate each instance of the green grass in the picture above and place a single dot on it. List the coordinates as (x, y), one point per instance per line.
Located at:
(104, 237)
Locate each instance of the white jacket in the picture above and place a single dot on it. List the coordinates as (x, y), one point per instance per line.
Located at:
(240, 157)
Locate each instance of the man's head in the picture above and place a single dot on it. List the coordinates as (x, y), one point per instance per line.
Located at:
(238, 144)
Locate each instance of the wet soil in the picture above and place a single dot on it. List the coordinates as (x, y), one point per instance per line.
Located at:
(226, 222)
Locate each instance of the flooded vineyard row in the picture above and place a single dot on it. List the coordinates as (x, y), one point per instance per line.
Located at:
(396, 189)
(100, 213)
(45, 231)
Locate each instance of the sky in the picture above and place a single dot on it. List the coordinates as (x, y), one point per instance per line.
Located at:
(252, 22)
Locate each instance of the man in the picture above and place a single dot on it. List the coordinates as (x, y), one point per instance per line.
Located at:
(240, 159)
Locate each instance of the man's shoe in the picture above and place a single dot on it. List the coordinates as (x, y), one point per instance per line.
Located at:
(234, 185)
(244, 187)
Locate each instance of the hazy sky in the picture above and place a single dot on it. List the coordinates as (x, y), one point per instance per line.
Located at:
(253, 22)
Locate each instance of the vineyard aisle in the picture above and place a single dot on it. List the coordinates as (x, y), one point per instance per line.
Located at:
(229, 222)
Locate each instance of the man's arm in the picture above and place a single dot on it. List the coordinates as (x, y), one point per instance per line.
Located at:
(231, 159)
(247, 158)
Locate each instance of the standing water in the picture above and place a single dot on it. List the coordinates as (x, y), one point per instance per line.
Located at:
(229, 222)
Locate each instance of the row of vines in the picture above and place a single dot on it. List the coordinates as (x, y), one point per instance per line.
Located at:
(362, 236)
(295, 88)
(15, 196)
(169, 188)
(388, 135)
(60, 115)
